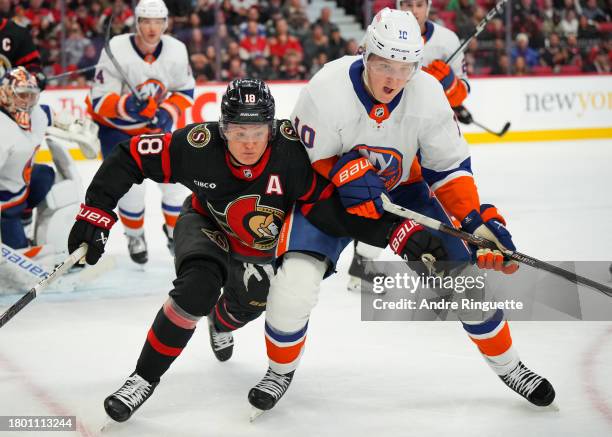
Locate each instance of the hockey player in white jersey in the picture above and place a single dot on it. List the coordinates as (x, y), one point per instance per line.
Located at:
(440, 44)
(158, 66)
(24, 185)
(363, 119)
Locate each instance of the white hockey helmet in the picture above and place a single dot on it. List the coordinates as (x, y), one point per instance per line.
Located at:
(400, 3)
(394, 35)
(151, 9)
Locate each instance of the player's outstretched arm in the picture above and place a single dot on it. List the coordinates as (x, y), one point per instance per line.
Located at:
(144, 156)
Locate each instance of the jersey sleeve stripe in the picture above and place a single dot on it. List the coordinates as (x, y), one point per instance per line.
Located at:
(165, 158)
(324, 166)
(459, 196)
(106, 106)
(182, 99)
(28, 58)
(433, 177)
(134, 152)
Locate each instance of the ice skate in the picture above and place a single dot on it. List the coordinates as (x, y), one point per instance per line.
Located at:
(268, 392)
(137, 246)
(221, 343)
(530, 385)
(124, 402)
(360, 271)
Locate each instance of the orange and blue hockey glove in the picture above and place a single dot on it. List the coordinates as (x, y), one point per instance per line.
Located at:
(358, 185)
(491, 225)
(455, 89)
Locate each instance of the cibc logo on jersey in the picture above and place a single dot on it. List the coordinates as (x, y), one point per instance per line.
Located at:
(387, 161)
(256, 225)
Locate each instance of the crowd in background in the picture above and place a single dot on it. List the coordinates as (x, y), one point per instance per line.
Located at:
(274, 39)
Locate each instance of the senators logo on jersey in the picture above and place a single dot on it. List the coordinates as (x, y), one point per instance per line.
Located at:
(246, 219)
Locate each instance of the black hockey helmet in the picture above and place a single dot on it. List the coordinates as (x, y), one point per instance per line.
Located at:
(247, 101)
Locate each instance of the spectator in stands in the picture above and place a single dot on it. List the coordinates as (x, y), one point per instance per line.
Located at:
(179, 11)
(464, 19)
(337, 45)
(523, 10)
(283, 42)
(520, 67)
(196, 42)
(235, 70)
(587, 29)
(253, 43)
(6, 9)
(252, 15)
(201, 67)
(569, 23)
(315, 44)
(123, 18)
(522, 49)
(205, 10)
(230, 16)
(259, 68)
(598, 62)
(318, 63)
(75, 44)
(352, 47)
(271, 10)
(501, 66)
(325, 21)
(36, 12)
(455, 5)
(89, 59)
(292, 68)
(573, 50)
(593, 12)
(554, 55)
(294, 13)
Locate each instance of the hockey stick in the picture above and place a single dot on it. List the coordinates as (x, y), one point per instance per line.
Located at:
(497, 9)
(58, 271)
(501, 133)
(68, 73)
(488, 244)
(462, 111)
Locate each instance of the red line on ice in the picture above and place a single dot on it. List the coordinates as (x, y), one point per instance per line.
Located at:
(42, 395)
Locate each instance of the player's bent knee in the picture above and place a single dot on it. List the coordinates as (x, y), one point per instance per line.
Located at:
(197, 286)
(294, 291)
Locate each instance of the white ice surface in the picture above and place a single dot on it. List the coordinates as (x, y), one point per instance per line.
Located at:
(65, 353)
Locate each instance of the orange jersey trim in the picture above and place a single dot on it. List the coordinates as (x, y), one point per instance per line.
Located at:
(324, 166)
(284, 355)
(495, 345)
(459, 196)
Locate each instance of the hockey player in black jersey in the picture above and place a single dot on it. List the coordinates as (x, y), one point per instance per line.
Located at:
(246, 173)
(17, 49)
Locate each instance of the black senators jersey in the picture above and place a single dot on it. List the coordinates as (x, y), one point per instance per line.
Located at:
(249, 203)
(17, 48)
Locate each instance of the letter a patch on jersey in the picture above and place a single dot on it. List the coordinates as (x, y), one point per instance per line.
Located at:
(274, 185)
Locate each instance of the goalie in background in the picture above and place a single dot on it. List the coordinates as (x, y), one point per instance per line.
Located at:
(53, 192)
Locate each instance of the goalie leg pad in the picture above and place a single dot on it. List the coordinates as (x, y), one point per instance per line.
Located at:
(60, 207)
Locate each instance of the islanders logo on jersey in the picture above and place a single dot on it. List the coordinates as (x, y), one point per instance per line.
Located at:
(387, 160)
(256, 225)
(152, 88)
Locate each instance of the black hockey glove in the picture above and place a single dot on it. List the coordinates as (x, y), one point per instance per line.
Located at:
(463, 115)
(412, 241)
(92, 227)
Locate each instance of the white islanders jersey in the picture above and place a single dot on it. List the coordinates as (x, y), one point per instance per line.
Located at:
(440, 43)
(334, 114)
(163, 74)
(17, 150)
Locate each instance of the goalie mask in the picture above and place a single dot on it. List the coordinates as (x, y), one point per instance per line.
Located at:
(19, 94)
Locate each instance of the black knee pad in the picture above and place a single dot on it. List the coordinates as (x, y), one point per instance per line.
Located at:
(198, 285)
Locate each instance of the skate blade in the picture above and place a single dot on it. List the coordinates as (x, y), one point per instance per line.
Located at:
(553, 407)
(107, 425)
(255, 413)
(354, 284)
